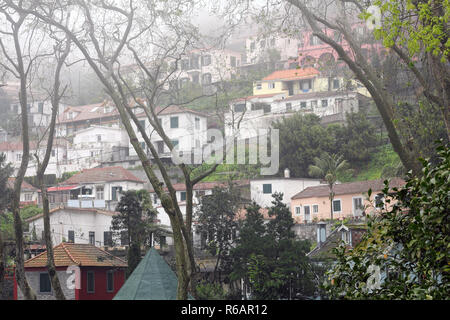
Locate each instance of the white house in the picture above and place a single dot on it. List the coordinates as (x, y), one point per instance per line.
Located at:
(258, 49)
(94, 188)
(58, 158)
(206, 66)
(186, 128)
(261, 190)
(28, 193)
(77, 225)
(97, 144)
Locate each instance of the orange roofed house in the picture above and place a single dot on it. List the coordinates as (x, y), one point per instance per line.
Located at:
(85, 273)
(350, 199)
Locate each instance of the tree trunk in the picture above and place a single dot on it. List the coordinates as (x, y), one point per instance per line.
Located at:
(2, 266)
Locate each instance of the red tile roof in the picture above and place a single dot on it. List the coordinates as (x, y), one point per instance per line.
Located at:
(348, 188)
(292, 74)
(88, 112)
(107, 174)
(68, 254)
(15, 146)
(25, 185)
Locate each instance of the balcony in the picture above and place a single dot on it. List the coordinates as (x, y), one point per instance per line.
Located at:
(86, 202)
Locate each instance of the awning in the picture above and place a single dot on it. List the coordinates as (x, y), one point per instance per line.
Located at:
(63, 188)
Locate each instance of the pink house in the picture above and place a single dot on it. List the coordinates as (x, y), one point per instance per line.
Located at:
(350, 200)
(313, 52)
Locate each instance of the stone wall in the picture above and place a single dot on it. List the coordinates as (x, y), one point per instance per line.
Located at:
(33, 281)
(308, 231)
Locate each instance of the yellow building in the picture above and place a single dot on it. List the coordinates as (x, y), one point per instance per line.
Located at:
(297, 81)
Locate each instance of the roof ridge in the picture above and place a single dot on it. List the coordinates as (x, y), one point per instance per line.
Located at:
(69, 254)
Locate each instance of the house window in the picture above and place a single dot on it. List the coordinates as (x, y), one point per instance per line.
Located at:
(71, 236)
(307, 210)
(28, 196)
(107, 238)
(206, 60)
(267, 188)
(115, 191)
(303, 104)
(174, 143)
(379, 200)
(239, 107)
(233, 61)
(336, 205)
(183, 196)
(346, 236)
(90, 282)
(160, 146)
(142, 123)
(336, 84)
(19, 157)
(271, 85)
(162, 240)
(124, 238)
(206, 78)
(53, 153)
(324, 103)
(197, 123)
(92, 238)
(258, 86)
(44, 283)
(315, 208)
(288, 106)
(305, 85)
(173, 122)
(357, 206)
(41, 107)
(99, 192)
(298, 210)
(110, 281)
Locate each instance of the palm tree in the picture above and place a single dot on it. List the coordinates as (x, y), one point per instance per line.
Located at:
(329, 167)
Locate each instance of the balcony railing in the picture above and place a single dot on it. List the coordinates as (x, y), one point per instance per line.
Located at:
(91, 203)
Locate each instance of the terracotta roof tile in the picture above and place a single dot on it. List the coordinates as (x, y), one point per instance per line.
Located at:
(25, 185)
(102, 175)
(292, 74)
(348, 188)
(67, 254)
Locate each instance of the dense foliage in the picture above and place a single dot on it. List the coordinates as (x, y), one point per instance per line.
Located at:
(407, 243)
(303, 138)
(137, 218)
(268, 257)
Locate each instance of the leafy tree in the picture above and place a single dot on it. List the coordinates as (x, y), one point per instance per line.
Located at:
(137, 218)
(269, 258)
(355, 140)
(408, 242)
(329, 167)
(302, 138)
(217, 223)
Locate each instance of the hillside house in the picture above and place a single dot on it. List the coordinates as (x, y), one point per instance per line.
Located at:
(85, 273)
(350, 200)
(94, 188)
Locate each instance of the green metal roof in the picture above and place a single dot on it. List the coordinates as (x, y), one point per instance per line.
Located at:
(152, 279)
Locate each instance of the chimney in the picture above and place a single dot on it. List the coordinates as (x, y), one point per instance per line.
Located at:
(321, 233)
(287, 173)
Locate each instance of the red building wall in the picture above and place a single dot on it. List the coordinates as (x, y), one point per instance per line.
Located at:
(100, 274)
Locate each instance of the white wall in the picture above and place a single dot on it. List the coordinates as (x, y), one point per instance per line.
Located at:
(289, 187)
(80, 221)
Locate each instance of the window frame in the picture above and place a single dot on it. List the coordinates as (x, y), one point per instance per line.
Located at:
(264, 188)
(340, 206)
(172, 124)
(93, 281)
(109, 272)
(49, 281)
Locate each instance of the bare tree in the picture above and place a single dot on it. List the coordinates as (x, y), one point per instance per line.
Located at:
(340, 17)
(62, 50)
(105, 32)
